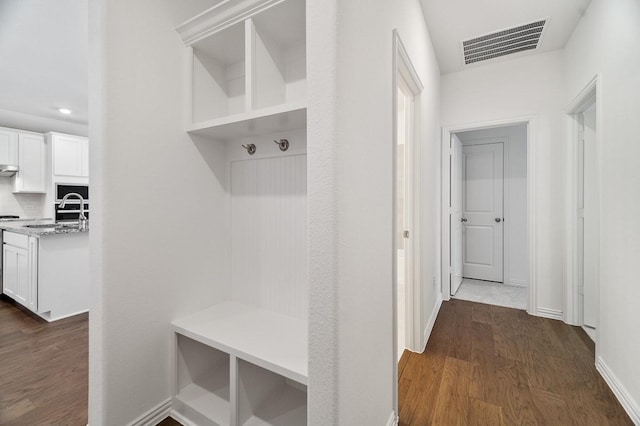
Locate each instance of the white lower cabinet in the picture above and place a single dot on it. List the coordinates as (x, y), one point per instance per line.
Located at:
(241, 366)
(20, 276)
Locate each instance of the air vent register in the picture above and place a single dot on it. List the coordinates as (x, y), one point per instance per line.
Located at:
(502, 43)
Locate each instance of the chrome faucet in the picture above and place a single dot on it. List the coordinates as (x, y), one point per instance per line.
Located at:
(82, 220)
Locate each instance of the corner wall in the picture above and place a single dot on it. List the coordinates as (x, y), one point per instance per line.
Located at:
(350, 186)
(607, 42)
(531, 85)
(153, 188)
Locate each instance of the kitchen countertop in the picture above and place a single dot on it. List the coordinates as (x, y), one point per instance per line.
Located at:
(18, 226)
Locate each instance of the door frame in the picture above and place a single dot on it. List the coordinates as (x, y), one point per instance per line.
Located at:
(586, 97)
(445, 256)
(403, 67)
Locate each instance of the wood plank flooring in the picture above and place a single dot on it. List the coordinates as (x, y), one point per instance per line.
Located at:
(487, 365)
(43, 368)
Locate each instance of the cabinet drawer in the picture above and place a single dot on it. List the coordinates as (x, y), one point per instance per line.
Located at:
(16, 240)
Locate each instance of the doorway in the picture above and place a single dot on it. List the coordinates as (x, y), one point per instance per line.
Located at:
(487, 221)
(583, 211)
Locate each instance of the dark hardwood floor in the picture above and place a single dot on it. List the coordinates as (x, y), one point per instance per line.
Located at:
(43, 368)
(487, 365)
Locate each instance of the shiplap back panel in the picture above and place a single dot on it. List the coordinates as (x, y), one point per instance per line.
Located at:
(269, 234)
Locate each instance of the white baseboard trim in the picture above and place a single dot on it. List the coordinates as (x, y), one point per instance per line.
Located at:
(153, 416)
(393, 419)
(432, 320)
(549, 313)
(628, 403)
(181, 419)
(516, 283)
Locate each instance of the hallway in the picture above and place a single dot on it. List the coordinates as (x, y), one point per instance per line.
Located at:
(491, 365)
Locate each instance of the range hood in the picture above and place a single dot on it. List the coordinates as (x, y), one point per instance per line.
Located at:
(7, 170)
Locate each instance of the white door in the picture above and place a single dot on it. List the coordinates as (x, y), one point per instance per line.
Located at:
(589, 204)
(67, 156)
(404, 209)
(31, 177)
(482, 210)
(8, 147)
(456, 214)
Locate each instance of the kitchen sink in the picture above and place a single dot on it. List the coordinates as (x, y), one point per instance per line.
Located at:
(53, 225)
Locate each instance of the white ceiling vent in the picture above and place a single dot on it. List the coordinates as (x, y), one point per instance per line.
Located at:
(505, 42)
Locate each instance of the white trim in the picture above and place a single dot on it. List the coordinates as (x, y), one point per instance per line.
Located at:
(403, 69)
(588, 95)
(181, 419)
(516, 283)
(154, 416)
(432, 320)
(549, 313)
(219, 17)
(530, 121)
(393, 419)
(624, 397)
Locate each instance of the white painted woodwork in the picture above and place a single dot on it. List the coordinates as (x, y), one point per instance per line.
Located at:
(247, 72)
(266, 398)
(8, 147)
(456, 214)
(279, 118)
(70, 155)
(47, 274)
(31, 176)
(269, 237)
(242, 363)
(589, 223)
(203, 383)
(482, 204)
(20, 257)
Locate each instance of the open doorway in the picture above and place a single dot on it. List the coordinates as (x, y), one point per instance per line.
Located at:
(489, 215)
(488, 229)
(583, 212)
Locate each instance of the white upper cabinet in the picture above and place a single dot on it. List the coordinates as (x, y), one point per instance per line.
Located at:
(247, 68)
(70, 155)
(8, 147)
(31, 176)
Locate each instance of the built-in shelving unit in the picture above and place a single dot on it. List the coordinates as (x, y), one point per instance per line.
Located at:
(247, 68)
(243, 362)
(241, 365)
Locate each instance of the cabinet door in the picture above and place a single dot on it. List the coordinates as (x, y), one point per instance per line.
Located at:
(16, 274)
(8, 147)
(67, 156)
(9, 270)
(31, 176)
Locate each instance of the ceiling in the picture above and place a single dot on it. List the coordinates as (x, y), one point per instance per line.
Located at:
(43, 46)
(451, 21)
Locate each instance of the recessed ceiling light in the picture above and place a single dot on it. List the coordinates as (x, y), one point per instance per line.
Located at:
(64, 111)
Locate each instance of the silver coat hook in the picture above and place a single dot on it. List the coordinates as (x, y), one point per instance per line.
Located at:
(283, 144)
(251, 148)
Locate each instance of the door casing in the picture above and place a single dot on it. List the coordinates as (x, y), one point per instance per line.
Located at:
(447, 131)
(590, 93)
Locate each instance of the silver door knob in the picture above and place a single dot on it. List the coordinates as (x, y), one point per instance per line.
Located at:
(464, 219)
(497, 219)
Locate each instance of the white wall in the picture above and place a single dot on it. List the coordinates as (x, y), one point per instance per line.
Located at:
(521, 87)
(607, 42)
(350, 201)
(23, 205)
(515, 196)
(161, 206)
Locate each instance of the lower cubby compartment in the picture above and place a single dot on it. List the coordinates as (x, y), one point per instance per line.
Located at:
(266, 398)
(203, 383)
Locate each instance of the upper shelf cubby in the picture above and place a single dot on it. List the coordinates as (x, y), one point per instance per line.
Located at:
(247, 67)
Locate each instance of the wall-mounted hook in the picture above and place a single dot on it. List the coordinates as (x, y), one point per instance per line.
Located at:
(283, 144)
(251, 148)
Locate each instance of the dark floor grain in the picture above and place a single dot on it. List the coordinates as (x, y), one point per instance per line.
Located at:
(487, 365)
(43, 368)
